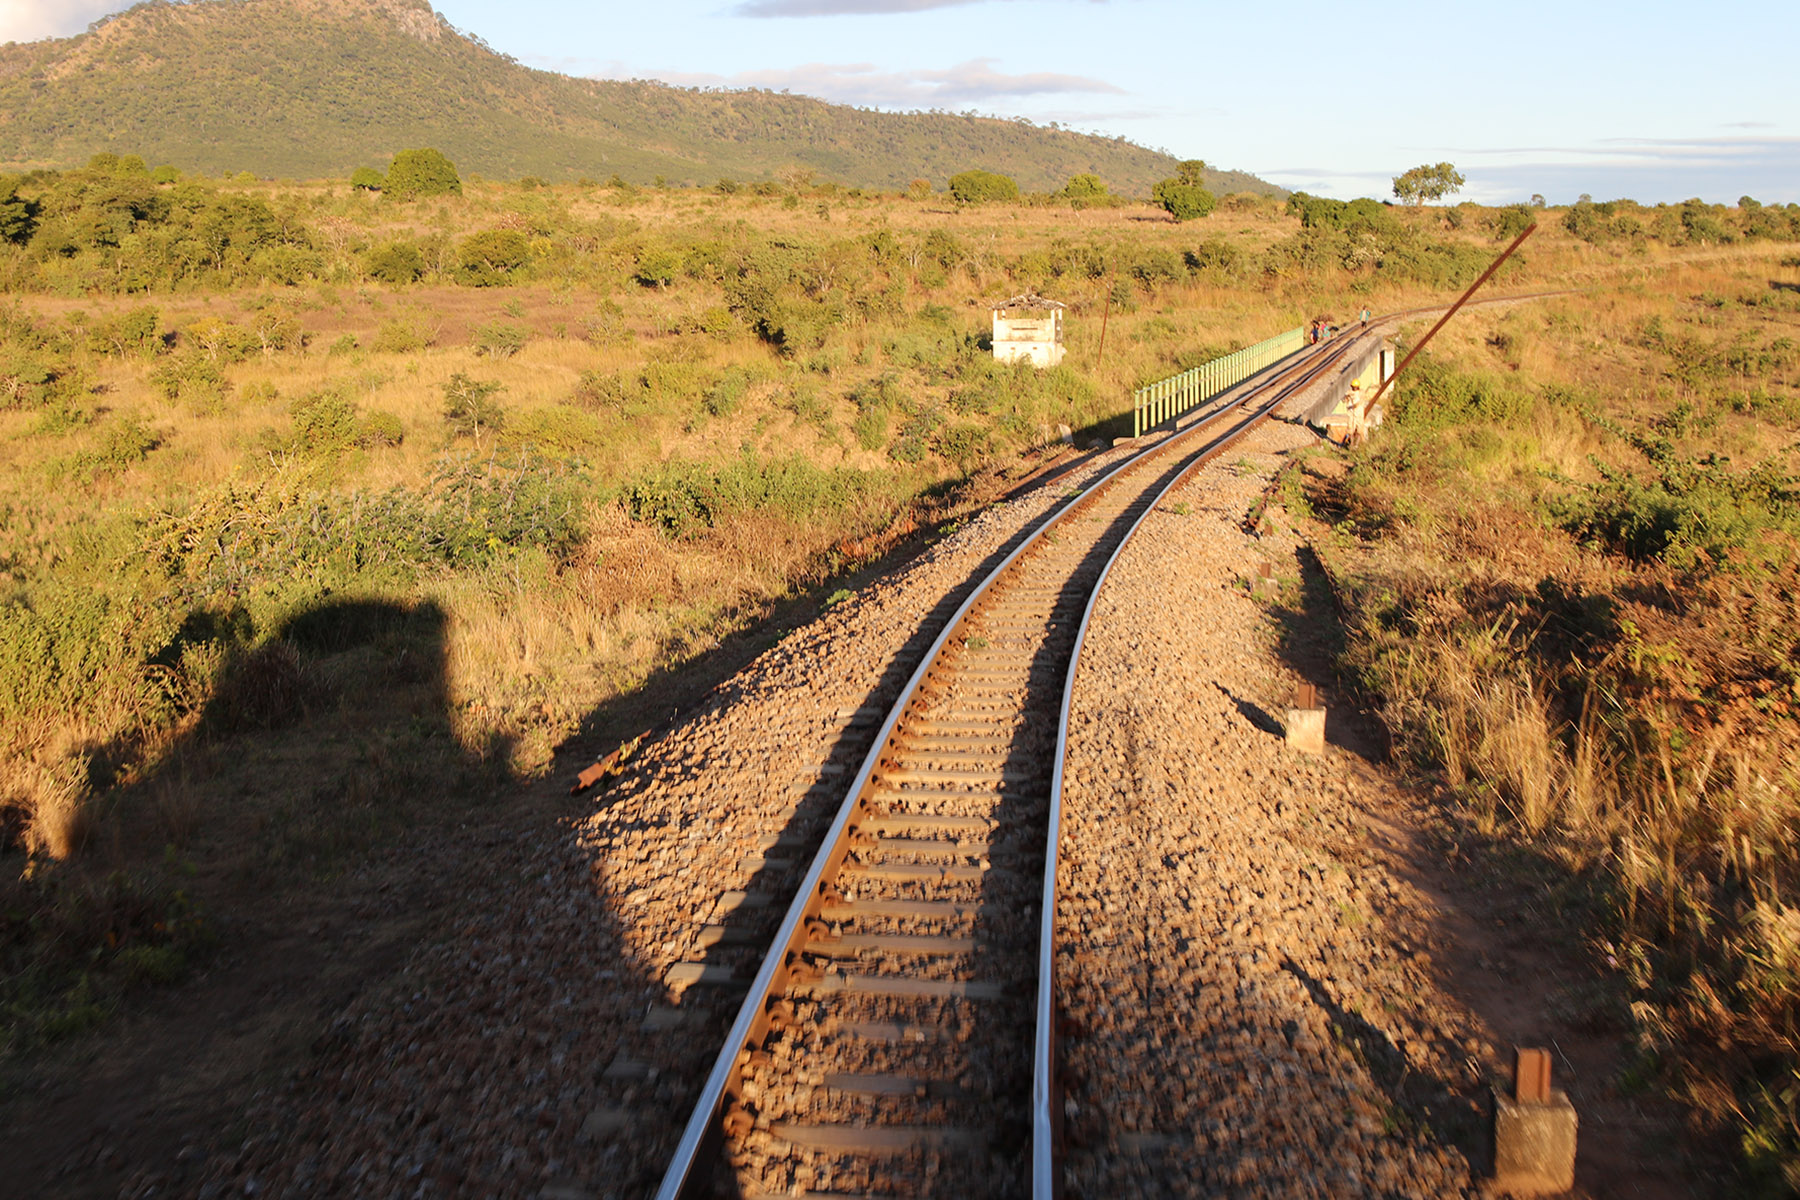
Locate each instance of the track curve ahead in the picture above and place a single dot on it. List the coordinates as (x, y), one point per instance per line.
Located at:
(899, 1036)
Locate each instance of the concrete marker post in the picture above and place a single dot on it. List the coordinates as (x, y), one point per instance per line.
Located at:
(1534, 1132)
(1306, 721)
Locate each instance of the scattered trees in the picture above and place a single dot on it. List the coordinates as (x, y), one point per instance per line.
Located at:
(1428, 182)
(977, 186)
(416, 173)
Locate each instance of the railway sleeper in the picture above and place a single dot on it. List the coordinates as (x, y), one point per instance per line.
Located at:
(854, 945)
(878, 1140)
(833, 983)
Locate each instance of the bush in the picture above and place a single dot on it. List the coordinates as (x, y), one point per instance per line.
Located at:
(133, 332)
(395, 262)
(366, 179)
(380, 429)
(323, 421)
(978, 187)
(416, 173)
(402, 335)
(493, 258)
(1183, 201)
(1086, 191)
(470, 408)
(500, 339)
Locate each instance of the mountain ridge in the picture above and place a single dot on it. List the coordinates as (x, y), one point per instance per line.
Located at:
(314, 88)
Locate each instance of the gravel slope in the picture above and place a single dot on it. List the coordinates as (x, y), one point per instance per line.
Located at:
(543, 1048)
(1252, 1012)
(1252, 1003)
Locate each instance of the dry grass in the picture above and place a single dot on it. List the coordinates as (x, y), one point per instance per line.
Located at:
(1632, 720)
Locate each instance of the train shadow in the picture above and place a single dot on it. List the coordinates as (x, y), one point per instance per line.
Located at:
(1417, 1102)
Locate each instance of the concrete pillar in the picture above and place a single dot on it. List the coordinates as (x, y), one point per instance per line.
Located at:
(1534, 1132)
(1306, 721)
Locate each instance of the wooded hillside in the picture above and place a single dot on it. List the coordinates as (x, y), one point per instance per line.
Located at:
(311, 88)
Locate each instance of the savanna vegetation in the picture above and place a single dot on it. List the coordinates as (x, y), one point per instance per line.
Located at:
(1570, 562)
(323, 510)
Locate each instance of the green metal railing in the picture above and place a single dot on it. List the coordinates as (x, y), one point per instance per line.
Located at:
(1169, 398)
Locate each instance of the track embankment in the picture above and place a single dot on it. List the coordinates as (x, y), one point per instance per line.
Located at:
(543, 1047)
(1245, 971)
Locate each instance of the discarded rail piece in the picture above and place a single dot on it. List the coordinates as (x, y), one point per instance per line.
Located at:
(900, 1035)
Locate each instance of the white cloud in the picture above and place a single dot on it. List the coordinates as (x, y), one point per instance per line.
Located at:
(1653, 170)
(30, 20)
(862, 83)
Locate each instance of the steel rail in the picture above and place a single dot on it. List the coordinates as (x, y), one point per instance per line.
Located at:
(754, 1020)
(1046, 1167)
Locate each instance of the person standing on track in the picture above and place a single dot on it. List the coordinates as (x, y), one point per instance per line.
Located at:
(1365, 316)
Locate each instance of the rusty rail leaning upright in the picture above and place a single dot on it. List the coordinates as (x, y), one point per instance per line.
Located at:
(1169, 398)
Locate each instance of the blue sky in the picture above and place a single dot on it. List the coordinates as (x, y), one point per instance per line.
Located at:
(1649, 100)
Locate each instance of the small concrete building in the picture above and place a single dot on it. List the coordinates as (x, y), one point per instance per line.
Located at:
(1347, 411)
(1029, 328)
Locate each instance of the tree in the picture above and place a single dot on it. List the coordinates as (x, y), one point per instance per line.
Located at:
(18, 214)
(1182, 196)
(1537, 200)
(975, 187)
(470, 407)
(416, 173)
(1427, 183)
(1191, 171)
(1085, 191)
(367, 179)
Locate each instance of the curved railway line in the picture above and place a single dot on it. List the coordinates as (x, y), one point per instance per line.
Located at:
(899, 1037)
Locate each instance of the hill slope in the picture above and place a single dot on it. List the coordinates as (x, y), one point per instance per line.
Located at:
(307, 88)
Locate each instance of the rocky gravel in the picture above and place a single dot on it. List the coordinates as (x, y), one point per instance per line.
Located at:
(552, 1044)
(1248, 985)
(1250, 994)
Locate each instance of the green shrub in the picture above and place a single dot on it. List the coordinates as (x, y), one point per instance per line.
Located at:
(493, 258)
(1183, 201)
(416, 173)
(323, 421)
(124, 442)
(1086, 191)
(190, 375)
(398, 263)
(683, 498)
(500, 339)
(605, 326)
(469, 406)
(978, 187)
(870, 426)
(561, 430)
(133, 332)
(275, 328)
(723, 397)
(380, 429)
(367, 179)
(657, 267)
(402, 335)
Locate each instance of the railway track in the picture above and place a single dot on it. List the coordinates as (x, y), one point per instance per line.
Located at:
(899, 1035)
